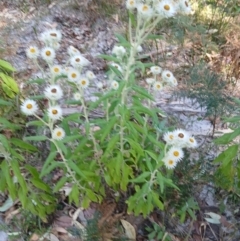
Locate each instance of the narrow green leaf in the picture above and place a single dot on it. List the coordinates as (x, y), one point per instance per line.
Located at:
(108, 127)
(4, 102)
(156, 201)
(6, 66)
(141, 178)
(36, 81)
(35, 138)
(227, 156)
(35, 123)
(228, 137)
(109, 58)
(49, 159)
(22, 144)
(10, 82)
(18, 174)
(74, 195)
(142, 92)
(60, 184)
(40, 184)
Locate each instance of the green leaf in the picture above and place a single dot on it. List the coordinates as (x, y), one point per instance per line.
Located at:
(227, 156)
(228, 137)
(22, 195)
(154, 36)
(60, 184)
(234, 119)
(35, 123)
(109, 58)
(41, 185)
(74, 195)
(19, 176)
(156, 201)
(76, 169)
(51, 167)
(4, 102)
(91, 195)
(6, 205)
(108, 127)
(115, 70)
(4, 141)
(49, 159)
(35, 138)
(6, 172)
(36, 81)
(10, 82)
(32, 170)
(142, 92)
(6, 66)
(71, 138)
(111, 144)
(136, 146)
(22, 144)
(142, 177)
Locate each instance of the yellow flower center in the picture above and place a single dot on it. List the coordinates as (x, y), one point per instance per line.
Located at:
(32, 50)
(176, 153)
(166, 7)
(48, 53)
(171, 137)
(170, 162)
(131, 2)
(54, 90)
(84, 82)
(56, 69)
(181, 135)
(77, 60)
(29, 106)
(74, 75)
(168, 75)
(158, 86)
(53, 34)
(59, 133)
(145, 8)
(54, 112)
(191, 140)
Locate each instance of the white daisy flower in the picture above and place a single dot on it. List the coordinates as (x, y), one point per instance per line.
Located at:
(53, 92)
(181, 137)
(58, 133)
(32, 52)
(150, 80)
(175, 153)
(155, 70)
(114, 85)
(29, 107)
(117, 66)
(73, 51)
(56, 70)
(169, 138)
(51, 36)
(119, 51)
(77, 96)
(90, 75)
(169, 162)
(184, 7)
(173, 82)
(157, 86)
(99, 85)
(192, 143)
(55, 46)
(73, 75)
(166, 8)
(55, 112)
(167, 76)
(131, 4)
(83, 82)
(145, 10)
(48, 54)
(78, 61)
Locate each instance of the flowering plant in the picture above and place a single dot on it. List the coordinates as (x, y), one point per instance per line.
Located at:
(121, 150)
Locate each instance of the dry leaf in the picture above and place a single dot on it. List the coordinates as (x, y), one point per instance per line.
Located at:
(60, 230)
(49, 236)
(34, 237)
(129, 229)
